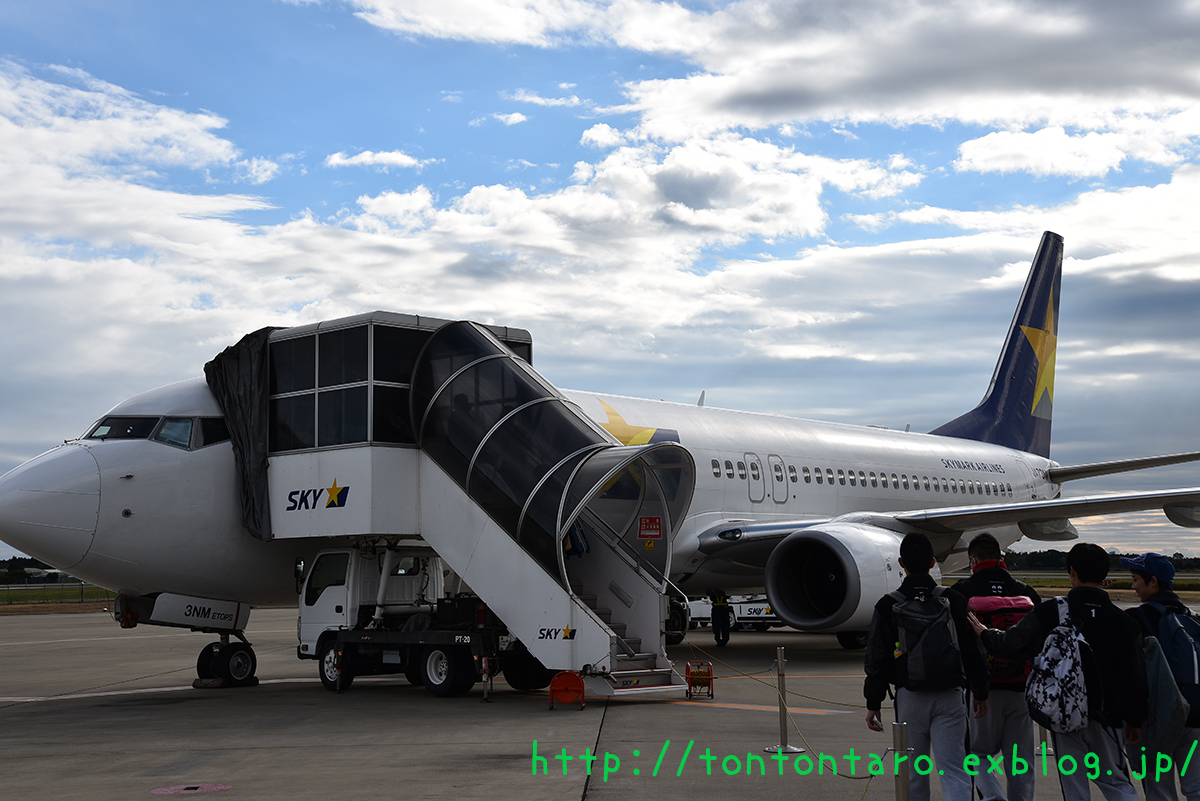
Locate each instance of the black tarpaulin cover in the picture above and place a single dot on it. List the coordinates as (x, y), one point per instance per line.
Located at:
(237, 377)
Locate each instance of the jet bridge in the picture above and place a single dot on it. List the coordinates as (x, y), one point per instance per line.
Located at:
(401, 430)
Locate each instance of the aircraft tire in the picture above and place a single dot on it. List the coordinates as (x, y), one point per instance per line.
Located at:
(327, 669)
(236, 663)
(206, 661)
(852, 640)
(523, 671)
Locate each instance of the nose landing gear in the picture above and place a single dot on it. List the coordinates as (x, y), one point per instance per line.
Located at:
(231, 664)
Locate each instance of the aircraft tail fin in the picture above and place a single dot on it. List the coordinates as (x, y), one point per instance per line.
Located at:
(1016, 411)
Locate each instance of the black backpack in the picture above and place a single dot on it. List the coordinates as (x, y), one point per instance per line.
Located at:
(927, 652)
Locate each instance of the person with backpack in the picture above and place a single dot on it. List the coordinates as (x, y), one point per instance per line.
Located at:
(921, 643)
(1088, 680)
(1163, 616)
(1000, 602)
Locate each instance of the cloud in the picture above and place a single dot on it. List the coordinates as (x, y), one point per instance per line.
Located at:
(1050, 151)
(524, 96)
(516, 118)
(369, 158)
(602, 135)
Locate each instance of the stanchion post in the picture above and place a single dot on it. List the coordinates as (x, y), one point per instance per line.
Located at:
(781, 679)
(900, 746)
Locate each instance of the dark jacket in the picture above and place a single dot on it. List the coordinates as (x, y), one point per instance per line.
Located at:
(996, 581)
(1113, 637)
(1147, 617)
(880, 660)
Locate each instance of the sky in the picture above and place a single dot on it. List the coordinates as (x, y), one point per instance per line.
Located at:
(807, 208)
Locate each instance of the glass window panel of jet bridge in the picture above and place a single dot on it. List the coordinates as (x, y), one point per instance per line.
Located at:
(396, 350)
(390, 420)
(342, 356)
(537, 535)
(293, 423)
(293, 366)
(493, 389)
(451, 348)
(520, 452)
(342, 416)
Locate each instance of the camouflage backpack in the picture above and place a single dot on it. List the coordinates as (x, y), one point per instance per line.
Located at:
(1056, 692)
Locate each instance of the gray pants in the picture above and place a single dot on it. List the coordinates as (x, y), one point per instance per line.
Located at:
(937, 719)
(1103, 745)
(1189, 782)
(1005, 725)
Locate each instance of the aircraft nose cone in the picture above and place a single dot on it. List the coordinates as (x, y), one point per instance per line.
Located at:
(49, 505)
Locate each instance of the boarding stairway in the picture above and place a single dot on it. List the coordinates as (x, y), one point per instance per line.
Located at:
(562, 531)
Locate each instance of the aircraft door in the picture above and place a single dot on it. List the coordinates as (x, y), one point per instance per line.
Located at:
(756, 478)
(324, 604)
(779, 487)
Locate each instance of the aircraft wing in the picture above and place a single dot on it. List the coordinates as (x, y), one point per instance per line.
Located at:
(748, 545)
(1049, 519)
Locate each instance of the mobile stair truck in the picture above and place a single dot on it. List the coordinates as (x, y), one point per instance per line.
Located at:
(466, 509)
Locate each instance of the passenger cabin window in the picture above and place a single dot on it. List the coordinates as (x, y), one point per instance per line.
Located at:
(778, 470)
(807, 475)
(175, 431)
(728, 469)
(754, 472)
(829, 474)
(905, 480)
(842, 477)
(853, 481)
(716, 468)
(124, 428)
(820, 475)
(862, 478)
(742, 470)
(874, 480)
(792, 474)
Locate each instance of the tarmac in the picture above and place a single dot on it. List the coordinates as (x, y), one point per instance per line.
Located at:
(90, 711)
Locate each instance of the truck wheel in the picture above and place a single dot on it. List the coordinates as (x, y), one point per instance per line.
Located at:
(445, 671)
(852, 640)
(206, 662)
(236, 663)
(327, 668)
(677, 623)
(522, 670)
(413, 674)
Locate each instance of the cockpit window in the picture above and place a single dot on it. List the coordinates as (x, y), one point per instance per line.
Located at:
(212, 431)
(124, 428)
(176, 431)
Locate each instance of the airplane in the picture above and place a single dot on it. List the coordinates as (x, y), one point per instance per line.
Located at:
(168, 493)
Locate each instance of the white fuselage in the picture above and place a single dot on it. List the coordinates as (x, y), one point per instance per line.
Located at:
(141, 516)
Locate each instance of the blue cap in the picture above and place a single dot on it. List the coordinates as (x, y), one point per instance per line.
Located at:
(1155, 564)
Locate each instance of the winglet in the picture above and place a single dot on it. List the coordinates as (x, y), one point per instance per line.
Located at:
(1017, 408)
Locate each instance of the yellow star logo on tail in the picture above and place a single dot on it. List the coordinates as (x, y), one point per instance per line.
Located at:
(1045, 347)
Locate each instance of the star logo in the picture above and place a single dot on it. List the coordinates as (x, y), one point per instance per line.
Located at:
(628, 434)
(568, 634)
(1045, 346)
(337, 496)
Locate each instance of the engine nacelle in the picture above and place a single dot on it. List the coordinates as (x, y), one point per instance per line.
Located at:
(829, 579)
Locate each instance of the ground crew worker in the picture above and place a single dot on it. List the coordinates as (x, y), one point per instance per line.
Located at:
(722, 617)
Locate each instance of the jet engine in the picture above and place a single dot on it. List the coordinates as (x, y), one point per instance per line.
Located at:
(830, 578)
